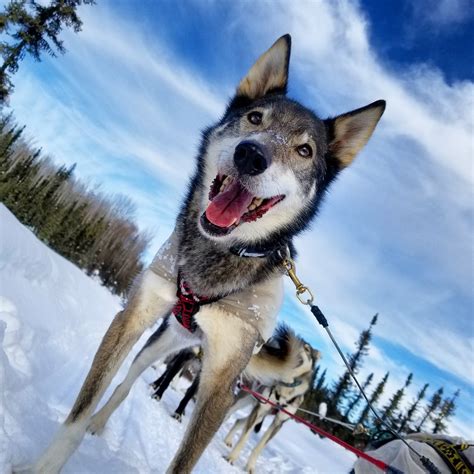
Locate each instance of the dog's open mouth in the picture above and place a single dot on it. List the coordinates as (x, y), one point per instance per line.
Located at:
(231, 203)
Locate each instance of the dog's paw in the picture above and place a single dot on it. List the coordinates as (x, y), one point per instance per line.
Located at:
(177, 417)
(96, 426)
(228, 443)
(229, 459)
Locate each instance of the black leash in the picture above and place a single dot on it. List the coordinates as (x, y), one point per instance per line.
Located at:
(318, 314)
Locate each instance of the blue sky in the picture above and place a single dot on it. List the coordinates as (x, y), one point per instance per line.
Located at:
(137, 85)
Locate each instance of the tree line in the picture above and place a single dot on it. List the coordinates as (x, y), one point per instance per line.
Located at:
(346, 404)
(95, 231)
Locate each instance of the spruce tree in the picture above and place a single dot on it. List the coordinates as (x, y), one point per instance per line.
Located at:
(33, 28)
(355, 359)
(320, 383)
(355, 401)
(445, 412)
(431, 408)
(376, 394)
(408, 417)
(19, 183)
(389, 410)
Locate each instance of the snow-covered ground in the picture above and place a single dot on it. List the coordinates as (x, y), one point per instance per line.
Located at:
(52, 317)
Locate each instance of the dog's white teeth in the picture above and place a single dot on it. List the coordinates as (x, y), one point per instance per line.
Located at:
(225, 184)
(254, 204)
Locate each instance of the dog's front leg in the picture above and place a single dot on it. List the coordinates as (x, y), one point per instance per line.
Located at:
(255, 417)
(153, 298)
(273, 429)
(238, 425)
(168, 338)
(227, 346)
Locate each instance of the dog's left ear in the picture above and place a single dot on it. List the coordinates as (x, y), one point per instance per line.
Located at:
(349, 132)
(316, 355)
(269, 74)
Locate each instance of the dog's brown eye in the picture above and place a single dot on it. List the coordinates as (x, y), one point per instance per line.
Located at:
(305, 151)
(255, 118)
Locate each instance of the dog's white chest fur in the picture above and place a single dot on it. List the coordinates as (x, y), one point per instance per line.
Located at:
(257, 305)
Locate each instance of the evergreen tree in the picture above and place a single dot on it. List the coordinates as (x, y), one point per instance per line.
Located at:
(33, 28)
(355, 359)
(355, 401)
(376, 394)
(408, 417)
(446, 411)
(19, 183)
(47, 213)
(315, 375)
(389, 410)
(433, 405)
(320, 383)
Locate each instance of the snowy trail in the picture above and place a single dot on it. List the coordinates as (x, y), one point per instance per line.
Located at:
(52, 317)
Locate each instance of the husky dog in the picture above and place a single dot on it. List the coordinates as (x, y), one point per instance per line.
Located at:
(190, 392)
(261, 174)
(187, 361)
(288, 395)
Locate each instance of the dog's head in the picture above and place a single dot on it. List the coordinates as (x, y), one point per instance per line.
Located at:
(267, 163)
(309, 357)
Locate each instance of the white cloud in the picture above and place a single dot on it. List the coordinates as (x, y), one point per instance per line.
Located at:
(441, 13)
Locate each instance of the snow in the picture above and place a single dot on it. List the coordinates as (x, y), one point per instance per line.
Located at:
(52, 317)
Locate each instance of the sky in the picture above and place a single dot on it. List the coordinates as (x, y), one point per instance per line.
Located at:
(128, 101)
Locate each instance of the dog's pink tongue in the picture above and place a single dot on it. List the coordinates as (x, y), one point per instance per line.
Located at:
(228, 207)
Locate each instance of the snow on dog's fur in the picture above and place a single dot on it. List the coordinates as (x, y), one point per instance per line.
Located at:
(261, 174)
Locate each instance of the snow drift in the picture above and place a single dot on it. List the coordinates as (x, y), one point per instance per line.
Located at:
(52, 317)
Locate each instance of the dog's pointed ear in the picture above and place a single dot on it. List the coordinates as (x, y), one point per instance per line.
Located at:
(348, 133)
(269, 73)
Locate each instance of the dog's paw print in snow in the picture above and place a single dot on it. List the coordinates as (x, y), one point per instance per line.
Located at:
(14, 338)
(7, 373)
(8, 314)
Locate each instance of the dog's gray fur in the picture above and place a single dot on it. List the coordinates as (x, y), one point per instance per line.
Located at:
(251, 288)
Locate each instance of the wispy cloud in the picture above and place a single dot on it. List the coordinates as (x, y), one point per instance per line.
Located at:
(441, 13)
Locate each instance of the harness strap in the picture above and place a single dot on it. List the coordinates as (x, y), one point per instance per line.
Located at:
(376, 462)
(189, 304)
(292, 384)
(451, 454)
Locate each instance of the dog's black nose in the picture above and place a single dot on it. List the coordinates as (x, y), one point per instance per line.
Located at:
(251, 158)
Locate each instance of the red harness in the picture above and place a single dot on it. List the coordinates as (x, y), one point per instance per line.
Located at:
(188, 305)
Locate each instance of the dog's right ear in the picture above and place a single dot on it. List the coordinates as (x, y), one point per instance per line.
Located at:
(349, 132)
(269, 74)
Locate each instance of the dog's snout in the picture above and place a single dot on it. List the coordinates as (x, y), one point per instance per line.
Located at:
(251, 158)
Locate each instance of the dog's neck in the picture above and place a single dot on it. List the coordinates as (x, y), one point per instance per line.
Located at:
(213, 269)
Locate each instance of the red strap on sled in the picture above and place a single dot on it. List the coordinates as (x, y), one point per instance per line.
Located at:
(376, 462)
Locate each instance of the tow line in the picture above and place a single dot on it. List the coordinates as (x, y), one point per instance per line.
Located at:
(376, 462)
(305, 296)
